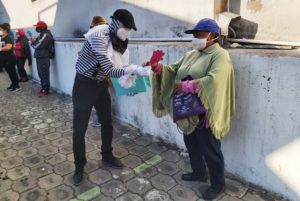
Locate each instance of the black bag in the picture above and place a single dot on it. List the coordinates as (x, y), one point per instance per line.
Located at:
(52, 51)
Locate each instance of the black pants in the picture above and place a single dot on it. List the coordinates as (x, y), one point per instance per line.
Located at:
(21, 69)
(86, 94)
(203, 146)
(43, 66)
(10, 67)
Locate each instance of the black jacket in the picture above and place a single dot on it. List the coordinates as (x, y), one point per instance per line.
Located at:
(43, 44)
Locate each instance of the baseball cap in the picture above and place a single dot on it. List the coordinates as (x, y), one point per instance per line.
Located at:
(41, 24)
(205, 24)
(125, 17)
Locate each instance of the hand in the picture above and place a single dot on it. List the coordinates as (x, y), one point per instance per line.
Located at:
(143, 71)
(131, 69)
(178, 88)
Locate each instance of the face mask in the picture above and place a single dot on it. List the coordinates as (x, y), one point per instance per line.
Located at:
(38, 29)
(199, 43)
(123, 33)
(1, 33)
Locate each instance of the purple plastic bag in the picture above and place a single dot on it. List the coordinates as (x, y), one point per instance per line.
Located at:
(186, 104)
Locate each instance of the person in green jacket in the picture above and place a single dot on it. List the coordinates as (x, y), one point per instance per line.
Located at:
(213, 81)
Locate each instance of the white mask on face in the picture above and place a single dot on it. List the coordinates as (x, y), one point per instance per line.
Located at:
(123, 33)
(1, 33)
(199, 43)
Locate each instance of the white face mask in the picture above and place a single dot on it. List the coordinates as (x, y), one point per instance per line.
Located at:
(123, 33)
(1, 33)
(199, 43)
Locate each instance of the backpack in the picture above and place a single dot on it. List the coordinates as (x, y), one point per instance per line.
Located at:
(51, 48)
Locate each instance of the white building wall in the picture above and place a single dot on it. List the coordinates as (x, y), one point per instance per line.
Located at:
(263, 144)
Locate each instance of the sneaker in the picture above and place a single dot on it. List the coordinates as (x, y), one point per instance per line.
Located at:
(113, 162)
(10, 87)
(193, 177)
(43, 93)
(78, 175)
(15, 89)
(212, 193)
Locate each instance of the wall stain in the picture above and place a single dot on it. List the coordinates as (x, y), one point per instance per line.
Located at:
(254, 5)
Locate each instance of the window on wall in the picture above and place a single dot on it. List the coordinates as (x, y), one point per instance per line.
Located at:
(33, 0)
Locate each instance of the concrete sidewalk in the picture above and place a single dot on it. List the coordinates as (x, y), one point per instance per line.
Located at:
(36, 159)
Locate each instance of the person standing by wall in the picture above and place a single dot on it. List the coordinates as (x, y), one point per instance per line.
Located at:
(42, 45)
(22, 52)
(8, 59)
(213, 81)
(91, 88)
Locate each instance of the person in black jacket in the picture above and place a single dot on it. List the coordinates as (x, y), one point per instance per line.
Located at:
(8, 59)
(22, 52)
(42, 45)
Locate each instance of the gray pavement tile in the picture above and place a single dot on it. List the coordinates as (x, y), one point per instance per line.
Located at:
(64, 168)
(157, 195)
(35, 121)
(35, 194)
(21, 145)
(60, 142)
(171, 155)
(100, 176)
(53, 136)
(41, 170)
(230, 198)
(18, 172)
(5, 185)
(46, 130)
(91, 166)
(66, 149)
(129, 197)
(163, 182)
(139, 185)
(60, 193)
(41, 126)
(9, 196)
(235, 188)
(4, 145)
(94, 155)
(120, 152)
(256, 196)
(12, 162)
(29, 132)
(181, 193)
(5, 154)
(131, 161)
(113, 188)
(34, 137)
(184, 164)
(48, 150)
(16, 138)
(124, 142)
(168, 168)
(50, 181)
(123, 175)
(25, 153)
(12, 133)
(56, 158)
(24, 184)
(34, 160)
(138, 150)
(40, 143)
(157, 147)
(102, 198)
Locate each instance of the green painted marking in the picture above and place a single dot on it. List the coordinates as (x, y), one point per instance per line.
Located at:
(141, 168)
(75, 199)
(89, 194)
(154, 160)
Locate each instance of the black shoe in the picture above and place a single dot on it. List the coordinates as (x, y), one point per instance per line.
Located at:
(15, 89)
(78, 176)
(10, 87)
(212, 193)
(192, 177)
(113, 162)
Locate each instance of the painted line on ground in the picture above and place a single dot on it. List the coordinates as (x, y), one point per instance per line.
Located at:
(148, 163)
(88, 195)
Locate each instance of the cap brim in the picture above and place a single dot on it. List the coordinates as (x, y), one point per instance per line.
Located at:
(191, 31)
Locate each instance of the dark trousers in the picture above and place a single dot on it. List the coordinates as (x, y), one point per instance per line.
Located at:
(10, 67)
(21, 69)
(88, 93)
(43, 66)
(203, 146)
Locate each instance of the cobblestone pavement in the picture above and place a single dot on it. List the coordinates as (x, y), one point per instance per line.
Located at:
(37, 161)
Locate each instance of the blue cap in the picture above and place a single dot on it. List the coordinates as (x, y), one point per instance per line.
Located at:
(205, 24)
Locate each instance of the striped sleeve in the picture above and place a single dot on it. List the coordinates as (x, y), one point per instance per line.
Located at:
(99, 47)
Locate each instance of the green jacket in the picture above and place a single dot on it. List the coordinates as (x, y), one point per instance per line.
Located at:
(213, 72)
